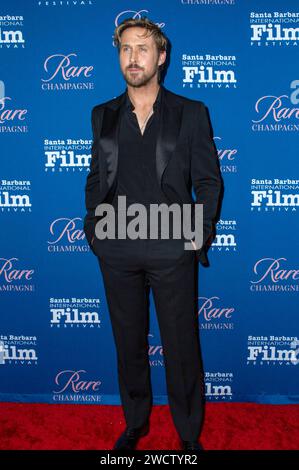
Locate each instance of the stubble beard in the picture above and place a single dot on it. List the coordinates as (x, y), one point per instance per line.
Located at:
(138, 80)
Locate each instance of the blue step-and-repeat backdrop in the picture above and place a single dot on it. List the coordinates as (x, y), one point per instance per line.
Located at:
(58, 60)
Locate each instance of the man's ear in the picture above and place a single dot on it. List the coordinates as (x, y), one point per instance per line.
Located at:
(162, 58)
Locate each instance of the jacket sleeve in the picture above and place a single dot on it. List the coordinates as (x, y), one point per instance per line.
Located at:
(92, 186)
(205, 175)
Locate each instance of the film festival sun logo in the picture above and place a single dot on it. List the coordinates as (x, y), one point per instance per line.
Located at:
(15, 196)
(209, 71)
(273, 195)
(11, 37)
(272, 275)
(12, 119)
(274, 29)
(75, 313)
(13, 278)
(272, 350)
(218, 386)
(67, 236)
(277, 113)
(62, 72)
(73, 387)
(67, 155)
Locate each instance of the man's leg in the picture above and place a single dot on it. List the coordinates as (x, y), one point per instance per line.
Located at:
(173, 278)
(127, 299)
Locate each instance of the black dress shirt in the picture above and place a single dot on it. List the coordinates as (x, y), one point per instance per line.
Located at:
(137, 176)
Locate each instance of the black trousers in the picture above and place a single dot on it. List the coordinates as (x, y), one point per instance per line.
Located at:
(130, 268)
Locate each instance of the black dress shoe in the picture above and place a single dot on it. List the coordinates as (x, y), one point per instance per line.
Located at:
(192, 446)
(129, 438)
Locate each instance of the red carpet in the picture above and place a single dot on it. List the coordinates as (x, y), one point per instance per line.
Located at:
(228, 426)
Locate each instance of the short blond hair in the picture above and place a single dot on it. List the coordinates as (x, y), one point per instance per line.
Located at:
(152, 29)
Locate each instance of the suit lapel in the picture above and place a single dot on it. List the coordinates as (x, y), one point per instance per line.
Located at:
(109, 139)
(169, 130)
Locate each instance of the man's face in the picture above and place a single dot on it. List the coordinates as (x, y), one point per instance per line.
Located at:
(139, 57)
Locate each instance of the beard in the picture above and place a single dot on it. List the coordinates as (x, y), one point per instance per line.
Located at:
(139, 79)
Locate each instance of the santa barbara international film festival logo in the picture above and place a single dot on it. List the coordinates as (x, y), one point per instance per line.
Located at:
(67, 236)
(63, 72)
(277, 113)
(72, 385)
(15, 196)
(272, 350)
(12, 117)
(274, 275)
(274, 28)
(74, 313)
(67, 155)
(66, 3)
(274, 195)
(226, 236)
(18, 350)
(11, 34)
(218, 386)
(209, 70)
(14, 277)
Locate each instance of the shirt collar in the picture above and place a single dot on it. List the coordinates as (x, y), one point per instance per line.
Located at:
(156, 105)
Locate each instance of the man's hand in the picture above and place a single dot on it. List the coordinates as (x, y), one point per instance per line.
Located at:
(194, 245)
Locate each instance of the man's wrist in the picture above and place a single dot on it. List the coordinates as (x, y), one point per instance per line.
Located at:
(194, 244)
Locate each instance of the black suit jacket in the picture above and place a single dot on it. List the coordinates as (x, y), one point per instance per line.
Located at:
(185, 158)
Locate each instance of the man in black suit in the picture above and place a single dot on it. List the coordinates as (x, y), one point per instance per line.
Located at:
(152, 146)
